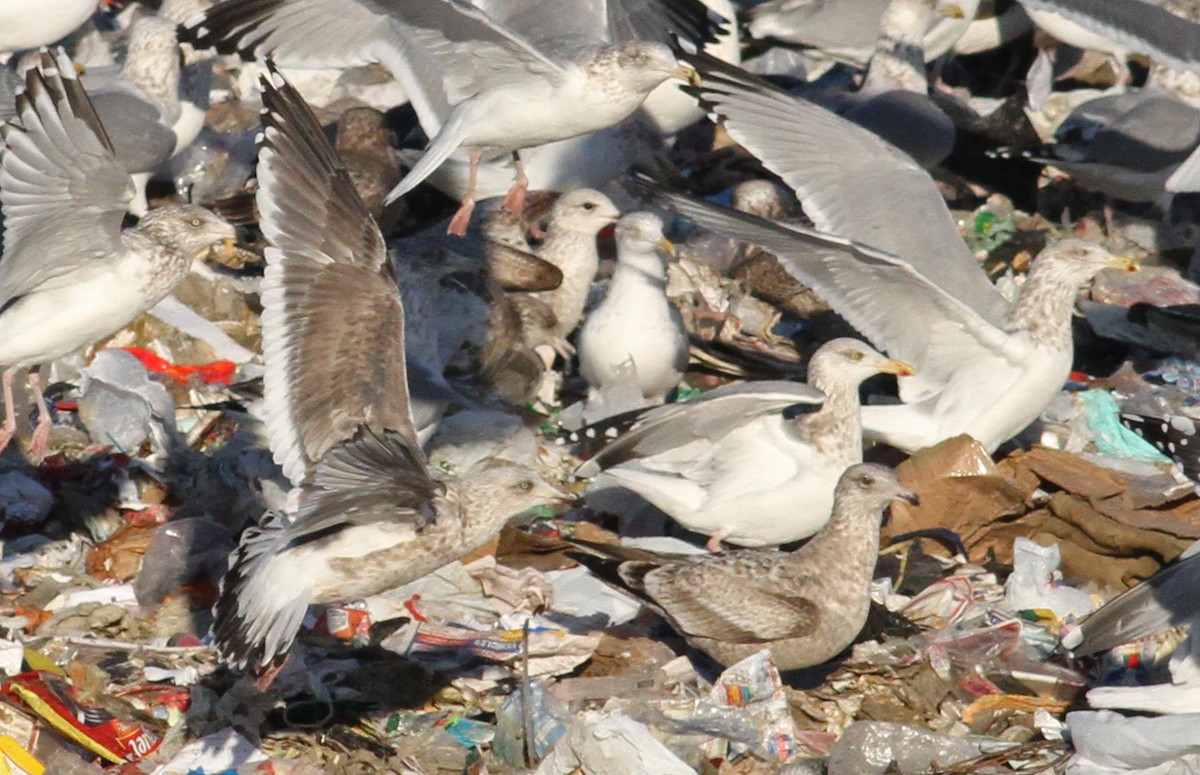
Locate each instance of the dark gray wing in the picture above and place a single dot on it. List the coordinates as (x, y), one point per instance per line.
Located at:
(663, 20)
(10, 84)
(1167, 599)
(851, 182)
(140, 139)
(710, 416)
(333, 324)
(1140, 26)
(63, 192)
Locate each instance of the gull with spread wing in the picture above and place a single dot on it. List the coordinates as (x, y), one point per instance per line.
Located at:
(492, 77)
(70, 275)
(366, 513)
(887, 256)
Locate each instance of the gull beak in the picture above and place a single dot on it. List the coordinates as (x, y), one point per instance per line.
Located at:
(1122, 262)
(229, 245)
(897, 367)
(666, 246)
(566, 497)
(952, 11)
(909, 497)
(685, 72)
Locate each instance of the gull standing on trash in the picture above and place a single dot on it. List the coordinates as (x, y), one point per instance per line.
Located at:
(570, 244)
(492, 79)
(888, 257)
(69, 275)
(636, 334)
(729, 464)
(366, 513)
(804, 606)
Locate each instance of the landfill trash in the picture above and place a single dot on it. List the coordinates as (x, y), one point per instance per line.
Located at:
(601, 744)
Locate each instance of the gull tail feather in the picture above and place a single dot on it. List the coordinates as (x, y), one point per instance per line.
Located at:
(261, 606)
(448, 140)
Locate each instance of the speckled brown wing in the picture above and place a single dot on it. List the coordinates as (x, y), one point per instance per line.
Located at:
(333, 323)
(732, 599)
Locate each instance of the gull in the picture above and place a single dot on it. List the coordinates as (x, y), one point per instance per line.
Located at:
(491, 79)
(366, 514)
(1136, 145)
(1166, 599)
(1118, 29)
(69, 275)
(140, 107)
(805, 606)
(635, 330)
(847, 30)
(887, 256)
(729, 465)
(570, 244)
(30, 24)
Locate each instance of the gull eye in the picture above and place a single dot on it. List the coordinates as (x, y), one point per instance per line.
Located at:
(589, 205)
(196, 222)
(867, 480)
(854, 355)
(525, 485)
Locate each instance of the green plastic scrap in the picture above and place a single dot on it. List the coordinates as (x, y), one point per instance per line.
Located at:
(1112, 437)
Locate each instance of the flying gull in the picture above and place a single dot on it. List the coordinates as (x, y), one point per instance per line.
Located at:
(491, 80)
(984, 367)
(804, 606)
(69, 275)
(635, 335)
(729, 465)
(367, 514)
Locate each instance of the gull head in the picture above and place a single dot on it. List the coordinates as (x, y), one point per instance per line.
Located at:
(583, 211)
(640, 65)
(1076, 261)
(851, 361)
(640, 234)
(870, 487)
(505, 489)
(192, 229)
(757, 197)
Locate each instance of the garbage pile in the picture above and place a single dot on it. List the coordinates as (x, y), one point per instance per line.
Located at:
(210, 516)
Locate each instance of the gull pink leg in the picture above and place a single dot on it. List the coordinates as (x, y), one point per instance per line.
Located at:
(714, 542)
(10, 414)
(458, 224)
(515, 201)
(41, 433)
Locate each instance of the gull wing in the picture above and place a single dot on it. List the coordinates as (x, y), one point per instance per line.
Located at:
(63, 191)
(323, 33)
(1139, 26)
(851, 182)
(707, 417)
(895, 307)
(333, 323)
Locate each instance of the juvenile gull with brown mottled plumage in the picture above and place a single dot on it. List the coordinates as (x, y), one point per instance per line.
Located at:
(805, 606)
(366, 514)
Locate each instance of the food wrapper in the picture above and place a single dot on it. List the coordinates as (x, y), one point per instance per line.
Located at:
(93, 728)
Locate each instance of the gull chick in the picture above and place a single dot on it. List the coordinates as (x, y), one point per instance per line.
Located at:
(635, 329)
(69, 275)
(365, 513)
(757, 478)
(805, 606)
